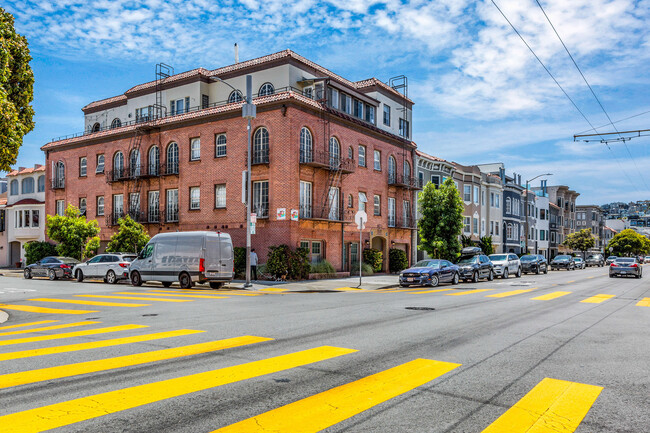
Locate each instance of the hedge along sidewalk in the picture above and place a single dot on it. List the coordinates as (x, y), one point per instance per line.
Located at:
(373, 282)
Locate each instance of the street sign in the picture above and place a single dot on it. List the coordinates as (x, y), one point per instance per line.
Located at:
(252, 228)
(253, 218)
(361, 218)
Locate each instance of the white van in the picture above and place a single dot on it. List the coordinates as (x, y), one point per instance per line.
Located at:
(186, 257)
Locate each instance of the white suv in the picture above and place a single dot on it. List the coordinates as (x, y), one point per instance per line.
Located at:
(111, 267)
(506, 264)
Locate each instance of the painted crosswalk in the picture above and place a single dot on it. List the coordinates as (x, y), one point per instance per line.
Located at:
(48, 328)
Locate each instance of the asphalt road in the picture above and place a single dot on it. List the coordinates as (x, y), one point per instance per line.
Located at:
(463, 360)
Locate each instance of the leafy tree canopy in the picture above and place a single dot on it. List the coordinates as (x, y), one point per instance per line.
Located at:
(72, 232)
(628, 242)
(16, 91)
(486, 245)
(442, 220)
(131, 237)
(580, 241)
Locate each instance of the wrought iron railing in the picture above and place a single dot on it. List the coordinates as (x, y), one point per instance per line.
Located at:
(58, 183)
(323, 159)
(400, 180)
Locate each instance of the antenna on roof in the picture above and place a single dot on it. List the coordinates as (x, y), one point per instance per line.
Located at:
(236, 53)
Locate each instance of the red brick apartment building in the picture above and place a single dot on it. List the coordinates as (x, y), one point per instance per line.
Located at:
(171, 152)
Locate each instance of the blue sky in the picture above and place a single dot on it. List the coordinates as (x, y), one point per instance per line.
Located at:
(480, 95)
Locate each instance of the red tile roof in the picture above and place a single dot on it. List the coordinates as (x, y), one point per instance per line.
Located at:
(3, 201)
(26, 201)
(434, 158)
(375, 82)
(27, 170)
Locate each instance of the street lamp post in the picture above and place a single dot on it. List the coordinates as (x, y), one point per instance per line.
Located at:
(248, 111)
(526, 209)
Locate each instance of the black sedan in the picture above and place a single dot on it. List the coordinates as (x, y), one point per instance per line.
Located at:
(52, 267)
(563, 262)
(624, 266)
(474, 267)
(533, 263)
(429, 273)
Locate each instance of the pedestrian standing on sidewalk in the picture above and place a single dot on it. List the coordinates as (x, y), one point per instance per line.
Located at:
(253, 264)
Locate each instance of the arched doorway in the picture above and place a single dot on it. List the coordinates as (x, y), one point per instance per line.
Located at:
(379, 243)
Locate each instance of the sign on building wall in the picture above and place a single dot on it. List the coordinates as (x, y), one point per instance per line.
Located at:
(294, 214)
(282, 213)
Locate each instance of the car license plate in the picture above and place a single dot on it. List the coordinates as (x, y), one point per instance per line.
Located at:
(410, 279)
(212, 274)
(623, 272)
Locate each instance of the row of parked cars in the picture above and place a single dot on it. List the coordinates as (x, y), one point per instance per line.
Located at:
(186, 258)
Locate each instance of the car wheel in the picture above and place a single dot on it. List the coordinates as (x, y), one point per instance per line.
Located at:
(111, 278)
(504, 276)
(185, 280)
(434, 281)
(136, 279)
(537, 270)
(546, 270)
(167, 283)
(51, 274)
(215, 285)
(27, 273)
(456, 279)
(80, 276)
(475, 277)
(491, 275)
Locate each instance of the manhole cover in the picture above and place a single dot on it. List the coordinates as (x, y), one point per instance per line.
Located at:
(421, 308)
(149, 315)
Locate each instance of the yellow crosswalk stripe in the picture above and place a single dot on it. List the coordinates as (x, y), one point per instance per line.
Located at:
(95, 303)
(40, 322)
(551, 406)
(352, 289)
(48, 328)
(95, 344)
(70, 334)
(645, 302)
(32, 309)
(430, 291)
(550, 296)
(137, 298)
(467, 292)
(174, 296)
(323, 410)
(209, 292)
(511, 293)
(572, 281)
(415, 289)
(598, 299)
(272, 289)
(85, 408)
(51, 373)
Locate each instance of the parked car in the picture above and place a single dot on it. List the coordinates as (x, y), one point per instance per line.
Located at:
(111, 267)
(595, 260)
(624, 266)
(534, 263)
(646, 259)
(505, 265)
(430, 273)
(610, 260)
(52, 267)
(580, 264)
(563, 261)
(640, 259)
(186, 257)
(474, 265)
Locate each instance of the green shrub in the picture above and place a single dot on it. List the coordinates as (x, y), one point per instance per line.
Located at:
(323, 267)
(92, 247)
(366, 269)
(240, 261)
(374, 258)
(286, 264)
(397, 260)
(486, 245)
(35, 251)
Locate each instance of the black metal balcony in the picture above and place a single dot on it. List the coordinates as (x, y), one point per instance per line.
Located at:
(321, 159)
(260, 156)
(169, 169)
(113, 218)
(408, 182)
(406, 222)
(322, 213)
(58, 183)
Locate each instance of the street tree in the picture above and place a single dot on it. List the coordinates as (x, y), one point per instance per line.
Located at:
(16, 91)
(628, 242)
(72, 232)
(486, 245)
(131, 237)
(442, 220)
(582, 241)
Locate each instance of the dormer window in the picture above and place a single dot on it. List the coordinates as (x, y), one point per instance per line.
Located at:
(180, 106)
(266, 89)
(96, 127)
(235, 96)
(116, 123)
(308, 92)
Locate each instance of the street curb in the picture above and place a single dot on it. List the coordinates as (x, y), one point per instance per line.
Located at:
(3, 316)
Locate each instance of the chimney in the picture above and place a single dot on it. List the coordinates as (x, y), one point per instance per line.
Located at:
(236, 53)
(21, 168)
(37, 166)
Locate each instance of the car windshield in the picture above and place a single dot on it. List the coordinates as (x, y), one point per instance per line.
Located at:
(67, 260)
(128, 258)
(578, 259)
(427, 264)
(498, 257)
(562, 258)
(593, 257)
(625, 260)
(528, 258)
(468, 260)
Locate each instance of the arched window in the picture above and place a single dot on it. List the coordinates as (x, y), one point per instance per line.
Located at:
(306, 149)
(134, 163)
(261, 146)
(154, 161)
(116, 123)
(266, 89)
(82, 206)
(59, 175)
(100, 164)
(407, 171)
(350, 152)
(195, 149)
(392, 169)
(508, 205)
(335, 153)
(235, 96)
(96, 127)
(118, 165)
(172, 158)
(41, 183)
(27, 185)
(13, 187)
(509, 232)
(220, 146)
(350, 201)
